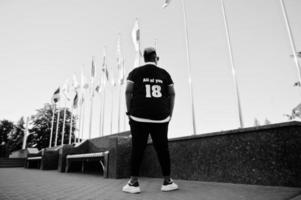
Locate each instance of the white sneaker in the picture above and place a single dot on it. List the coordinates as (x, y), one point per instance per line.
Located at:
(169, 187)
(133, 189)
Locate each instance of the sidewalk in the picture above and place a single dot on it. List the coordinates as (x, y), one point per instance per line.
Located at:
(34, 184)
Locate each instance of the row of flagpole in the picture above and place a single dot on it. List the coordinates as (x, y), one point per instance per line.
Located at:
(100, 86)
(78, 91)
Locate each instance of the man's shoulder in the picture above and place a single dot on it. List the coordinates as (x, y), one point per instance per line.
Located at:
(147, 67)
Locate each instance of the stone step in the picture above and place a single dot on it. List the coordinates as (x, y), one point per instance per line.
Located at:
(11, 162)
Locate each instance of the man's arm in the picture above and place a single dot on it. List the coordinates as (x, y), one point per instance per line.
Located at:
(129, 94)
(172, 94)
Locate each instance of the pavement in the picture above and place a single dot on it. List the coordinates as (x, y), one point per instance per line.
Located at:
(35, 184)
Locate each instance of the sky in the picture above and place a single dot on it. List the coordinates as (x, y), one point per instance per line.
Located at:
(45, 42)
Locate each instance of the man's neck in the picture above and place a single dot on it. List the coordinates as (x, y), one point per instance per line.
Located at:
(151, 63)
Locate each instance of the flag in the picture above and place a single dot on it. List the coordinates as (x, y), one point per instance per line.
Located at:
(98, 87)
(136, 36)
(83, 81)
(120, 63)
(75, 84)
(75, 100)
(298, 54)
(297, 84)
(104, 69)
(82, 99)
(93, 69)
(56, 96)
(122, 73)
(297, 110)
(66, 90)
(166, 3)
(92, 77)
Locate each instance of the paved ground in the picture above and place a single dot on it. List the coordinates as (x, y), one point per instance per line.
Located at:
(34, 184)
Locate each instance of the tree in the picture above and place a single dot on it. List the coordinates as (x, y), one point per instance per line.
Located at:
(16, 135)
(5, 128)
(41, 127)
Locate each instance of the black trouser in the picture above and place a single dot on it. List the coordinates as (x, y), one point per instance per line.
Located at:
(140, 132)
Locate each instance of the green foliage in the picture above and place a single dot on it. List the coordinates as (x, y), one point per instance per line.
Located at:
(41, 127)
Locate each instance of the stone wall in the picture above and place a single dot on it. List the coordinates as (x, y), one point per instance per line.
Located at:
(265, 155)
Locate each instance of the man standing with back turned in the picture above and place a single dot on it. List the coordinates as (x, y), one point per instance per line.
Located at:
(150, 100)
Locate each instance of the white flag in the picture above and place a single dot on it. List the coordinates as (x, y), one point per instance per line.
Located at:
(66, 90)
(136, 36)
(166, 3)
(83, 81)
(75, 84)
(120, 63)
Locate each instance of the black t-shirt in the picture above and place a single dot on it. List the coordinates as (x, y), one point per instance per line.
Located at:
(150, 95)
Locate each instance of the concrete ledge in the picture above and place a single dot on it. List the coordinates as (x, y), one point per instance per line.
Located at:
(112, 143)
(265, 155)
(50, 158)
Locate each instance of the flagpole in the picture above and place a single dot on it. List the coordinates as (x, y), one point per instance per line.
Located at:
(103, 111)
(57, 127)
(232, 64)
(80, 110)
(112, 104)
(291, 38)
(189, 67)
(100, 114)
(119, 106)
(91, 97)
(52, 124)
(83, 122)
(79, 113)
(139, 45)
(71, 120)
(25, 134)
(64, 124)
(91, 116)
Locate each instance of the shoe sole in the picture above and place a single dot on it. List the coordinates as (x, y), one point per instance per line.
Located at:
(169, 190)
(132, 192)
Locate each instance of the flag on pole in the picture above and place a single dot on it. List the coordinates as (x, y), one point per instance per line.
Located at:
(93, 69)
(136, 36)
(66, 90)
(75, 84)
(298, 54)
(122, 73)
(82, 99)
(120, 63)
(84, 83)
(75, 100)
(136, 42)
(296, 112)
(166, 3)
(98, 86)
(93, 73)
(104, 69)
(56, 96)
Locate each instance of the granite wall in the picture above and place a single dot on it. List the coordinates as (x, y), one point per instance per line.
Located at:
(264, 155)
(118, 145)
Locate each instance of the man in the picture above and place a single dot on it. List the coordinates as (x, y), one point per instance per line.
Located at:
(150, 101)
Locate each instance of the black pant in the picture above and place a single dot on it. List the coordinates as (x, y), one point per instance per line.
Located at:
(140, 132)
